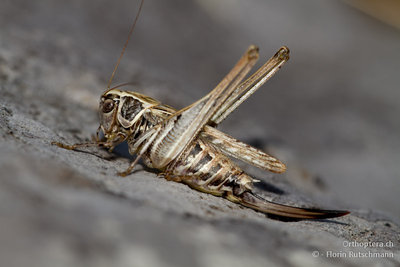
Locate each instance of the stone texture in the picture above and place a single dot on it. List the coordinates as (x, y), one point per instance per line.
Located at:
(331, 114)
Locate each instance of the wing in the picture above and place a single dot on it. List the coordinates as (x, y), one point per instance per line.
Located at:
(182, 127)
(244, 152)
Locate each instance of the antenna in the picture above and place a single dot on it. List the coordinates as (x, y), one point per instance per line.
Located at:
(126, 44)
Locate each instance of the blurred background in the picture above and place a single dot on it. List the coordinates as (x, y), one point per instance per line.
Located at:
(332, 110)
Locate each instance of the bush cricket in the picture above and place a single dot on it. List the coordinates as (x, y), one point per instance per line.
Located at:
(185, 144)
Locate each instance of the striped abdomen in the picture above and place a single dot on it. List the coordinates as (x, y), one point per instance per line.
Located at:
(205, 168)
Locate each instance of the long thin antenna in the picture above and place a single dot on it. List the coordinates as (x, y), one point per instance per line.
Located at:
(126, 44)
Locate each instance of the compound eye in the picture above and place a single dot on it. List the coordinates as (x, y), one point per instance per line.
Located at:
(108, 106)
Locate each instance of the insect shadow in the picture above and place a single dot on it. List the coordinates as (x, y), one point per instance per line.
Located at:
(261, 144)
(264, 186)
(122, 150)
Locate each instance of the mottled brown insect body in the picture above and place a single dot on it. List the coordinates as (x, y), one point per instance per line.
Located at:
(185, 144)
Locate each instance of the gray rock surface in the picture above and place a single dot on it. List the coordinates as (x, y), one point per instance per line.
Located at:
(331, 114)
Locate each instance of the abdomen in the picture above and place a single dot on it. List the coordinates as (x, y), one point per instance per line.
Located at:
(203, 167)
